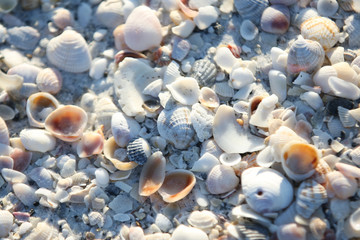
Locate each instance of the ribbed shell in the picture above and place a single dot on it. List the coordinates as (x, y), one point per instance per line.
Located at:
(322, 30)
(109, 13)
(6, 222)
(123, 128)
(304, 56)
(4, 133)
(49, 80)
(221, 179)
(202, 219)
(204, 72)
(23, 37)
(352, 27)
(69, 52)
(175, 126)
(138, 151)
(310, 196)
(251, 9)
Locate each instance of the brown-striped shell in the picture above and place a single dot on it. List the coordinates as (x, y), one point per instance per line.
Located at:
(49, 80)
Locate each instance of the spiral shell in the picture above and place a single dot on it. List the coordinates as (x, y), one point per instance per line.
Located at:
(4, 132)
(38, 107)
(275, 19)
(322, 30)
(305, 56)
(175, 126)
(251, 9)
(110, 13)
(221, 179)
(352, 27)
(69, 52)
(6, 222)
(138, 150)
(204, 71)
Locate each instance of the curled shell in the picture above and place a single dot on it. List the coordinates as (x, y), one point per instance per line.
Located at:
(24, 37)
(69, 52)
(204, 71)
(177, 185)
(138, 150)
(110, 13)
(343, 187)
(251, 9)
(62, 18)
(4, 133)
(49, 80)
(6, 222)
(265, 196)
(209, 98)
(275, 19)
(37, 140)
(91, 143)
(152, 174)
(67, 123)
(185, 90)
(221, 179)
(38, 107)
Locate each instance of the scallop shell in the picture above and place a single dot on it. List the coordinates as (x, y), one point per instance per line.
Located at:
(123, 128)
(327, 8)
(110, 13)
(13, 176)
(275, 19)
(62, 18)
(27, 71)
(248, 30)
(4, 133)
(175, 126)
(304, 56)
(322, 30)
(139, 36)
(251, 9)
(152, 174)
(138, 150)
(69, 52)
(266, 196)
(310, 196)
(37, 140)
(104, 109)
(223, 89)
(67, 123)
(183, 232)
(91, 143)
(202, 219)
(42, 231)
(38, 107)
(6, 222)
(185, 90)
(24, 37)
(352, 27)
(343, 187)
(8, 5)
(49, 80)
(208, 98)
(177, 185)
(221, 179)
(110, 147)
(204, 71)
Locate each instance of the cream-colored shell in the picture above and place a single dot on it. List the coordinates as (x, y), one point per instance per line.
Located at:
(39, 106)
(49, 80)
(6, 222)
(185, 90)
(343, 187)
(10, 82)
(321, 77)
(37, 140)
(183, 232)
(110, 13)
(202, 219)
(221, 179)
(209, 98)
(4, 133)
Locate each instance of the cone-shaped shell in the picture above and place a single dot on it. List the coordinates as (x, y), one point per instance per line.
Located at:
(69, 52)
(49, 80)
(67, 123)
(177, 185)
(152, 174)
(110, 147)
(221, 179)
(39, 106)
(4, 132)
(91, 143)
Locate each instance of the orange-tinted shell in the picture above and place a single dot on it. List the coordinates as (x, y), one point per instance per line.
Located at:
(91, 143)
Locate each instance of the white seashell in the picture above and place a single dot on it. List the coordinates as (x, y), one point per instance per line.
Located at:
(101, 177)
(98, 67)
(84, 14)
(321, 77)
(202, 219)
(96, 218)
(251, 9)
(225, 59)
(67, 123)
(202, 120)
(6, 162)
(25, 37)
(228, 133)
(110, 13)
(152, 174)
(27, 71)
(266, 196)
(275, 19)
(6, 222)
(10, 82)
(38, 107)
(343, 187)
(43, 231)
(291, 231)
(204, 71)
(322, 30)
(352, 26)
(4, 133)
(37, 140)
(352, 227)
(42, 177)
(346, 72)
(104, 109)
(177, 185)
(317, 227)
(327, 8)
(13, 176)
(230, 159)
(341, 88)
(248, 30)
(25, 194)
(239, 77)
(49, 80)
(172, 73)
(139, 36)
(183, 232)
(208, 98)
(223, 89)
(304, 15)
(185, 90)
(8, 5)
(154, 88)
(205, 163)
(279, 59)
(62, 18)
(262, 114)
(336, 55)
(277, 82)
(110, 147)
(123, 128)
(221, 179)
(175, 126)
(69, 52)
(345, 117)
(91, 143)
(206, 16)
(313, 99)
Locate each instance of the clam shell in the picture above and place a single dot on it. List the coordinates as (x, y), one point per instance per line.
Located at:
(221, 179)
(62, 18)
(185, 90)
(69, 52)
(278, 83)
(140, 36)
(42, 231)
(205, 163)
(152, 174)
(175, 126)
(327, 8)
(202, 121)
(204, 71)
(4, 133)
(91, 143)
(305, 14)
(49, 80)
(250, 230)
(13, 176)
(25, 194)
(275, 19)
(104, 109)
(177, 185)
(27, 71)
(223, 89)
(123, 128)
(321, 77)
(251, 9)
(348, 170)
(6, 222)
(110, 13)
(266, 196)
(305, 56)
(138, 150)
(310, 196)
(345, 117)
(8, 5)
(110, 147)
(42, 177)
(38, 107)
(322, 30)
(24, 37)
(248, 30)
(343, 187)
(183, 232)
(67, 123)
(154, 88)
(202, 219)
(37, 140)
(208, 98)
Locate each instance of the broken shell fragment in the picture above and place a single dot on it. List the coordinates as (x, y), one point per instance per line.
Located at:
(110, 147)
(343, 187)
(221, 179)
(91, 143)
(38, 107)
(10, 82)
(209, 98)
(138, 150)
(185, 90)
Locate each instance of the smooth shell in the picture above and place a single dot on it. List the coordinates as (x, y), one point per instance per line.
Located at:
(39, 106)
(248, 30)
(110, 13)
(6, 222)
(208, 98)
(27, 71)
(321, 77)
(37, 140)
(275, 19)
(123, 128)
(185, 90)
(343, 187)
(327, 8)
(91, 143)
(4, 133)
(8, 5)
(183, 232)
(62, 18)
(49, 80)
(138, 150)
(24, 37)
(25, 194)
(221, 179)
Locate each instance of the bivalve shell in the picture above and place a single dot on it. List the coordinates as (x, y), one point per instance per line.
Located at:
(209, 98)
(221, 179)
(352, 27)
(343, 187)
(25, 193)
(204, 71)
(185, 90)
(4, 133)
(6, 222)
(248, 30)
(138, 150)
(49, 80)
(27, 71)
(91, 143)
(37, 140)
(327, 8)
(110, 13)
(39, 106)
(202, 219)
(251, 9)
(24, 37)
(321, 77)
(183, 232)
(69, 52)
(275, 19)
(350, 5)
(62, 18)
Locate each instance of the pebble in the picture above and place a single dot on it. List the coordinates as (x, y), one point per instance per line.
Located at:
(163, 222)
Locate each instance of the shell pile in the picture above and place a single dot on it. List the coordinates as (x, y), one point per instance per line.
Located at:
(179, 119)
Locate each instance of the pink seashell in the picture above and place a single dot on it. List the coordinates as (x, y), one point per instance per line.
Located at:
(49, 80)
(62, 18)
(186, 10)
(275, 19)
(348, 170)
(344, 187)
(91, 143)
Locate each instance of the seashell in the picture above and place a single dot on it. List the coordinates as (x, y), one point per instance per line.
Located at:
(230, 159)
(8, 5)
(348, 170)
(248, 30)
(310, 196)
(123, 128)
(139, 36)
(138, 150)
(299, 159)
(67, 123)
(327, 8)
(205, 163)
(25, 194)
(13, 176)
(154, 88)
(162, 56)
(322, 30)
(171, 73)
(225, 59)
(49, 80)
(84, 14)
(6, 162)
(275, 19)
(6, 223)
(262, 114)
(345, 117)
(24, 37)
(352, 228)
(42, 231)
(343, 187)
(313, 99)
(4, 133)
(183, 232)
(341, 88)
(221, 179)
(223, 89)
(29, 4)
(37, 140)
(202, 219)
(352, 26)
(202, 121)
(208, 98)
(345, 72)
(27, 71)
(350, 5)
(181, 48)
(248, 230)
(21, 159)
(62, 18)
(185, 9)
(304, 15)
(277, 82)
(175, 126)
(110, 13)
(321, 170)
(109, 152)
(291, 231)
(91, 143)
(304, 56)
(69, 52)
(96, 218)
(185, 90)
(317, 227)
(321, 77)
(38, 107)
(102, 177)
(204, 71)
(265, 196)
(251, 9)
(10, 82)
(119, 39)
(104, 108)
(177, 185)
(42, 177)
(228, 133)
(6, 112)
(240, 77)
(152, 174)
(284, 2)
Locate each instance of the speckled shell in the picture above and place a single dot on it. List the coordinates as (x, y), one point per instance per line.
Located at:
(4, 133)
(275, 19)
(38, 107)
(69, 52)
(138, 150)
(309, 198)
(24, 37)
(221, 179)
(6, 222)
(204, 72)
(49, 80)
(352, 27)
(175, 126)
(304, 56)
(322, 30)
(251, 9)
(110, 13)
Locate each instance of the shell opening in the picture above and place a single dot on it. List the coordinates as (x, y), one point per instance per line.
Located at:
(301, 158)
